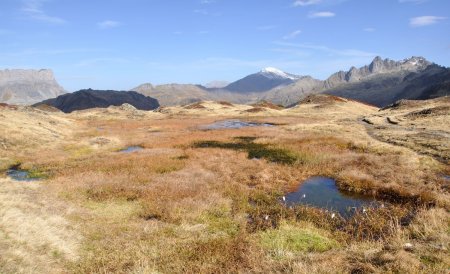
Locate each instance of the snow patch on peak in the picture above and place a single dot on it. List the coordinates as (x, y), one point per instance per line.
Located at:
(279, 73)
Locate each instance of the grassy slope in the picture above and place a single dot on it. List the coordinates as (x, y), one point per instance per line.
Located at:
(174, 207)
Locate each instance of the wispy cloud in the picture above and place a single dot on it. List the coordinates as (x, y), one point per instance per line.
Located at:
(206, 12)
(422, 21)
(50, 52)
(292, 35)
(108, 24)
(205, 2)
(328, 50)
(303, 3)
(201, 11)
(321, 14)
(33, 9)
(369, 29)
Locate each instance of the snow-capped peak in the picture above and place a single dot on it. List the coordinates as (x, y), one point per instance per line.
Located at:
(416, 61)
(279, 73)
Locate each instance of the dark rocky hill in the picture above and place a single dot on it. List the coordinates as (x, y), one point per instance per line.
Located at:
(88, 98)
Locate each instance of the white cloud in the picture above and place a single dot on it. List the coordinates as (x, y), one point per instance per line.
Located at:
(422, 21)
(322, 14)
(292, 35)
(205, 2)
(303, 3)
(108, 24)
(369, 29)
(33, 9)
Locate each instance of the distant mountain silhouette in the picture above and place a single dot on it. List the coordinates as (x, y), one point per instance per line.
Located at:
(88, 98)
(28, 86)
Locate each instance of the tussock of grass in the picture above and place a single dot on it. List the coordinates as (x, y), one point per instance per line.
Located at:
(76, 151)
(294, 238)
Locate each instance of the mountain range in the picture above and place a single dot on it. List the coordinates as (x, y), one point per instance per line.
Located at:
(380, 83)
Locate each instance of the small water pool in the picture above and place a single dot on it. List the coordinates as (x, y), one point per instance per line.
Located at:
(131, 149)
(234, 124)
(20, 175)
(322, 192)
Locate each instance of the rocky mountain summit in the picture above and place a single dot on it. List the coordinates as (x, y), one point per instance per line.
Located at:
(262, 81)
(385, 81)
(378, 66)
(88, 98)
(23, 86)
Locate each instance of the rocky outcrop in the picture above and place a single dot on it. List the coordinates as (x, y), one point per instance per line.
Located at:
(88, 98)
(24, 87)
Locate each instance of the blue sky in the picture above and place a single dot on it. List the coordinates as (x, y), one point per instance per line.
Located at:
(119, 44)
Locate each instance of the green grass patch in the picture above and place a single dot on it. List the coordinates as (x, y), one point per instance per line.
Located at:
(36, 173)
(78, 151)
(219, 220)
(254, 150)
(292, 238)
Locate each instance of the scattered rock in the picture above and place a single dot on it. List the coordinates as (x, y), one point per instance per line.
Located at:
(408, 247)
(127, 107)
(392, 121)
(366, 120)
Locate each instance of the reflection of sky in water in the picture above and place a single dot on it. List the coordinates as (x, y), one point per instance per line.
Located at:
(322, 192)
(131, 149)
(234, 124)
(20, 175)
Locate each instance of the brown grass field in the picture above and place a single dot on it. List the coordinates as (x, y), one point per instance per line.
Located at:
(198, 201)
